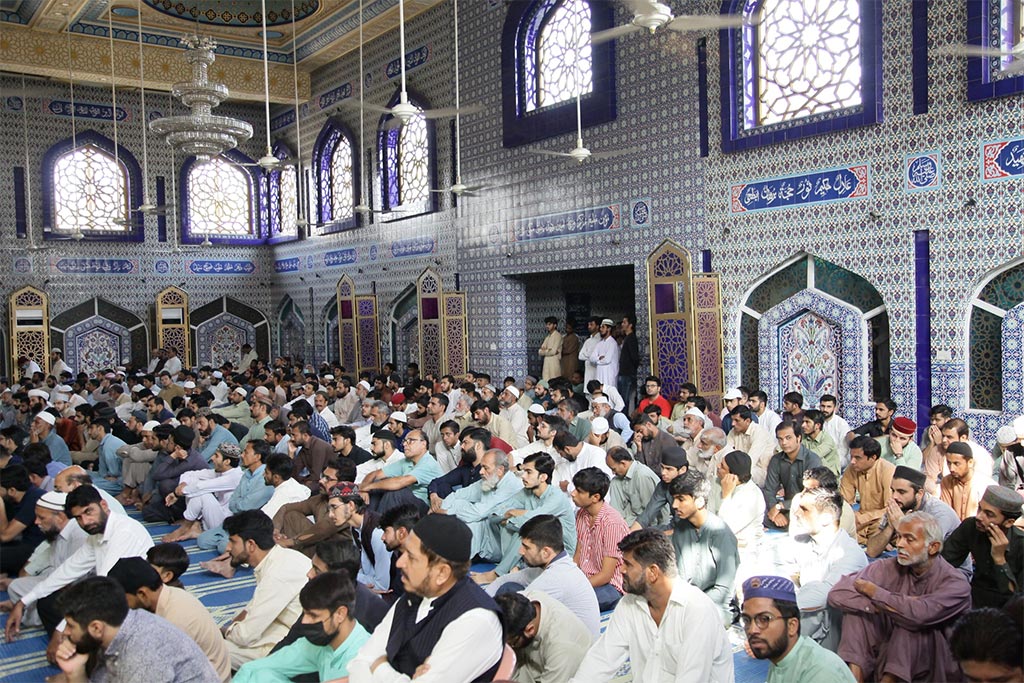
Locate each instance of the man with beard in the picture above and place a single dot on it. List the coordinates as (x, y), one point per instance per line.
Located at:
(280, 574)
(108, 476)
(437, 411)
(538, 497)
(404, 481)
(474, 504)
(664, 626)
(650, 442)
(549, 640)
(508, 399)
(145, 591)
(549, 569)
(127, 645)
(548, 426)
(605, 355)
(111, 537)
(211, 434)
(206, 494)
(898, 611)
(44, 432)
(259, 411)
(384, 449)
(446, 628)
(19, 533)
(589, 344)
(348, 513)
(754, 439)
(138, 461)
(331, 636)
(303, 524)
(967, 480)
(63, 537)
(659, 508)
(771, 620)
(166, 476)
(575, 455)
(909, 495)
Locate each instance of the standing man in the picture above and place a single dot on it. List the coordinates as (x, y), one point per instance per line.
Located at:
(570, 350)
(605, 355)
(868, 480)
(551, 349)
(629, 362)
(664, 626)
(589, 369)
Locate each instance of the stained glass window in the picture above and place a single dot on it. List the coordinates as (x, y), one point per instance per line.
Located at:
(288, 193)
(1001, 294)
(803, 59)
(559, 65)
(90, 192)
(219, 199)
(342, 204)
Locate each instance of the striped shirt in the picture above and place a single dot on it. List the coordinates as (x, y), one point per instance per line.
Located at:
(598, 538)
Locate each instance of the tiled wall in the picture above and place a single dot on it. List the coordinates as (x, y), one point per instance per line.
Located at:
(659, 109)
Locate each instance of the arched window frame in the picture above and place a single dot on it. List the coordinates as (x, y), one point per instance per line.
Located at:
(992, 23)
(1009, 394)
(523, 23)
(388, 147)
(736, 135)
(323, 158)
(257, 201)
(275, 199)
(133, 232)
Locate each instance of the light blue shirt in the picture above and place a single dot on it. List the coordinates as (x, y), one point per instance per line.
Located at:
(252, 492)
(376, 574)
(218, 436)
(473, 504)
(110, 463)
(303, 657)
(425, 471)
(58, 449)
(552, 502)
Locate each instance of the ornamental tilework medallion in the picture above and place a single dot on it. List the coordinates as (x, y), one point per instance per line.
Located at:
(219, 340)
(96, 343)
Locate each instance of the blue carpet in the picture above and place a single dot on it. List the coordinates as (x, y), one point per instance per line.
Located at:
(24, 660)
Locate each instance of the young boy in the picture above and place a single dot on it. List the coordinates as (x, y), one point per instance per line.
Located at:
(170, 561)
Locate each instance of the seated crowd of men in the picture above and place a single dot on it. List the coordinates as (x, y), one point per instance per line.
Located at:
(360, 503)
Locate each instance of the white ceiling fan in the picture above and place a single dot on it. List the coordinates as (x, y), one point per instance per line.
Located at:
(1015, 52)
(581, 153)
(404, 110)
(651, 16)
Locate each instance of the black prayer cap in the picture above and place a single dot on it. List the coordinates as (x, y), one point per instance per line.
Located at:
(446, 536)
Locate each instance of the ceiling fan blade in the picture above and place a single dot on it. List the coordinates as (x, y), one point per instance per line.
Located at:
(450, 112)
(392, 124)
(613, 33)
(612, 153)
(705, 22)
(548, 152)
(975, 51)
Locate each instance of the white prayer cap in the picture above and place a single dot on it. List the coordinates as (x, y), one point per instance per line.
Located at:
(56, 350)
(608, 322)
(150, 426)
(1006, 435)
(328, 377)
(218, 374)
(240, 391)
(189, 385)
(399, 416)
(64, 388)
(39, 393)
(47, 417)
(512, 390)
(732, 395)
(138, 387)
(52, 500)
(536, 409)
(601, 401)
(62, 397)
(364, 384)
(490, 387)
(261, 390)
(695, 413)
(599, 426)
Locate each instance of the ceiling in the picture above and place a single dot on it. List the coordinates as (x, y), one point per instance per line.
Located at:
(36, 37)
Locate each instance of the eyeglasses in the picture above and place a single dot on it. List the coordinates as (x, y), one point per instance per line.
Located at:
(409, 440)
(763, 620)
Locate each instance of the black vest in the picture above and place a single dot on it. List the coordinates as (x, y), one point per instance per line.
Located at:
(410, 643)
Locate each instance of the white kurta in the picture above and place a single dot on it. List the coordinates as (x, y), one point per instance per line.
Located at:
(605, 358)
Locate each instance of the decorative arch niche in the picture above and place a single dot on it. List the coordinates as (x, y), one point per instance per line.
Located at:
(97, 334)
(222, 326)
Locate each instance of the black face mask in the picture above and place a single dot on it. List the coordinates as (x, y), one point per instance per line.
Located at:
(315, 633)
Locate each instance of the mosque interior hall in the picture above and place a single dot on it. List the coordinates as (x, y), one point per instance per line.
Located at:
(814, 196)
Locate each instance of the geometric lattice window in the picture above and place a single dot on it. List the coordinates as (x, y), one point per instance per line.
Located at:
(90, 191)
(557, 59)
(407, 163)
(806, 68)
(988, 317)
(547, 59)
(219, 195)
(284, 198)
(335, 167)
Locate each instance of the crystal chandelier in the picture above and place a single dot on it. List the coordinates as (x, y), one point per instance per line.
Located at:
(201, 134)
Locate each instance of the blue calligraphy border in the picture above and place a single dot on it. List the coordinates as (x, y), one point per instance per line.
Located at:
(865, 164)
(615, 208)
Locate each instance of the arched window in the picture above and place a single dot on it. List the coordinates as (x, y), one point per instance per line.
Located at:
(336, 166)
(806, 68)
(283, 198)
(407, 163)
(996, 24)
(547, 58)
(996, 340)
(89, 190)
(221, 200)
